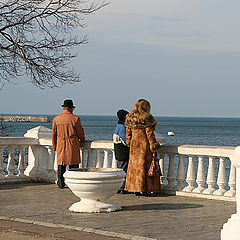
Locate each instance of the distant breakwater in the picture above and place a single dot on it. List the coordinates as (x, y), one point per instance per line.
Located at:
(24, 119)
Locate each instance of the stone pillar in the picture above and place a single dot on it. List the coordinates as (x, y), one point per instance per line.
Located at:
(38, 155)
(231, 229)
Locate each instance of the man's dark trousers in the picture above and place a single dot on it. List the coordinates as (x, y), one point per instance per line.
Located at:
(61, 171)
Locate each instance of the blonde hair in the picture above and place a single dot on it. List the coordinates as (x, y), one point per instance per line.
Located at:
(141, 110)
(142, 107)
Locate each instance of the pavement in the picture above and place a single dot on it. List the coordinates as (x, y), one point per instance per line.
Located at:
(40, 211)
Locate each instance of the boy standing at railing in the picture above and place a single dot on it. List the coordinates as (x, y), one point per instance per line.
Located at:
(121, 149)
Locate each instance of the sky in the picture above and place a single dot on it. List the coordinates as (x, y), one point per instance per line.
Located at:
(183, 56)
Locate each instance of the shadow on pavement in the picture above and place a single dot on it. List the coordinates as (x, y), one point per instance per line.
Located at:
(161, 206)
(21, 185)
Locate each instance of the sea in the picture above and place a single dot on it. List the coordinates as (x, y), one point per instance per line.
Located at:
(187, 130)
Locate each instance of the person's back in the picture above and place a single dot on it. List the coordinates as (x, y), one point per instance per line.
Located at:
(121, 150)
(66, 132)
(140, 126)
(120, 147)
(66, 123)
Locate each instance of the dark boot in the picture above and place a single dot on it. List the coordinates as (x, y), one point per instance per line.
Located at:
(61, 171)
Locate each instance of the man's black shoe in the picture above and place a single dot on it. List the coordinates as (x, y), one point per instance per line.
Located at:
(142, 194)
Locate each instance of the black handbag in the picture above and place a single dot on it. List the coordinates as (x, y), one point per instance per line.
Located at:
(121, 152)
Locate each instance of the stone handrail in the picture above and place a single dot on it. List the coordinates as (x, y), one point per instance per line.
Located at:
(205, 174)
(196, 171)
(187, 169)
(25, 159)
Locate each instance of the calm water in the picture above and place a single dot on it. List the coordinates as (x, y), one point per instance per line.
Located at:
(201, 131)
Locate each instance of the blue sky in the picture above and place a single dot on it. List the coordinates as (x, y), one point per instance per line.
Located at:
(181, 55)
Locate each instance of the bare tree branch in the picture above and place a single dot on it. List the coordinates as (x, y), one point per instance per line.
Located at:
(37, 39)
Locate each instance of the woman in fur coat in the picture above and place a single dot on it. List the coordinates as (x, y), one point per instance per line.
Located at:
(140, 126)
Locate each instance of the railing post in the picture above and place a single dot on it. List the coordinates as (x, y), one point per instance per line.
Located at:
(38, 155)
(81, 164)
(1, 163)
(221, 181)
(190, 175)
(10, 165)
(170, 176)
(210, 177)
(114, 161)
(231, 229)
(232, 182)
(106, 160)
(98, 159)
(181, 175)
(200, 176)
(50, 166)
(89, 159)
(161, 163)
(21, 164)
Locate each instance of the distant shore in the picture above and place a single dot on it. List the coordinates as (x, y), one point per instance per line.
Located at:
(24, 119)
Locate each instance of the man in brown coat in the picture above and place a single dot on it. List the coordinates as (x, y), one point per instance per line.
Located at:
(66, 132)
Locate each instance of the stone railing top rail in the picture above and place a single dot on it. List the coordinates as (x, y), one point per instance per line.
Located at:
(6, 141)
(199, 150)
(18, 141)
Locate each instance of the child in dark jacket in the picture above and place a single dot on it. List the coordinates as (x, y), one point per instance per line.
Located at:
(121, 149)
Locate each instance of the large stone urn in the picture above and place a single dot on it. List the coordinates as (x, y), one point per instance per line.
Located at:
(94, 187)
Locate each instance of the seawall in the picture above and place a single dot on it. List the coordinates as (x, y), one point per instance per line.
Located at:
(24, 119)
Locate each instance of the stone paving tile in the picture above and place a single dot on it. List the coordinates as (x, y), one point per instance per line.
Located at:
(12, 230)
(161, 217)
(21, 236)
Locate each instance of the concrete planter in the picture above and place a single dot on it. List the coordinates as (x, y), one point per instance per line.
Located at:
(94, 186)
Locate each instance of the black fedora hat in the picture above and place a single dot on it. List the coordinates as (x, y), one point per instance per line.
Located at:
(68, 103)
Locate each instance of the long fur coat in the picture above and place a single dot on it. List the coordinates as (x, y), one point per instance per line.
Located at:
(141, 139)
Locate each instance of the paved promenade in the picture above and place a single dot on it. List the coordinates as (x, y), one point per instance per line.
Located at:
(40, 211)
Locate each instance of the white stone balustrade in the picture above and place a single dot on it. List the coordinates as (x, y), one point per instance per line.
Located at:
(231, 229)
(187, 169)
(12, 150)
(196, 172)
(41, 158)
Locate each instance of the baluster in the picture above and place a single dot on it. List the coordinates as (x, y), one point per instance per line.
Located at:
(89, 159)
(10, 165)
(221, 181)
(232, 182)
(21, 163)
(190, 175)
(51, 173)
(98, 160)
(210, 177)
(161, 163)
(50, 164)
(114, 161)
(1, 162)
(180, 174)
(200, 176)
(55, 162)
(82, 158)
(106, 160)
(170, 176)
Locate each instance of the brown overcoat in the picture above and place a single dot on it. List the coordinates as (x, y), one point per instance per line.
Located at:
(141, 139)
(66, 132)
